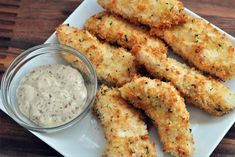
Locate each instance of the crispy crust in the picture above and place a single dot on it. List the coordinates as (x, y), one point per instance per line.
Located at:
(122, 139)
(114, 66)
(201, 45)
(205, 93)
(159, 14)
(131, 146)
(195, 87)
(164, 105)
(115, 29)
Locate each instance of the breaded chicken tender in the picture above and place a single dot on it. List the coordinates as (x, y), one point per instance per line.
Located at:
(164, 105)
(203, 92)
(203, 46)
(129, 146)
(114, 66)
(155, 13)
(115, 29)
(125, 131)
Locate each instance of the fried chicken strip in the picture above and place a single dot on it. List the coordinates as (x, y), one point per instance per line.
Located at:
(114, 66)
(203, 92)
(164, 105)
(203, 46)
(207, 94)
(160, 13)
(125, 131)
(115, 29)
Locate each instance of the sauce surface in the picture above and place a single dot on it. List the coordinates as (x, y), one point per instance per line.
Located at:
(52, 95)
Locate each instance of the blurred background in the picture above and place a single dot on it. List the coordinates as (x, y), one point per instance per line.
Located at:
(26, 23)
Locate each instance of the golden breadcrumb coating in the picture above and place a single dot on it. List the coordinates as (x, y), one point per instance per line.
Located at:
(155, 13)
(114, 66)
(129, 146)
(164, 105)
(115, 29)
(125, 131)
(203, 92)
(203, 46)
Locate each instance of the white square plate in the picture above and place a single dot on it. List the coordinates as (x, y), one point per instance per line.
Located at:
(86, 139)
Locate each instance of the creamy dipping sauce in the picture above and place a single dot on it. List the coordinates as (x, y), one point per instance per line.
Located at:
(52, 95)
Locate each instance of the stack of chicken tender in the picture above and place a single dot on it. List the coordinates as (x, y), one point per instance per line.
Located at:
(131, 33)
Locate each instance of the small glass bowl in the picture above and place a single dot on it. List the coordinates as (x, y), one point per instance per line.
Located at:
(38, 56)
